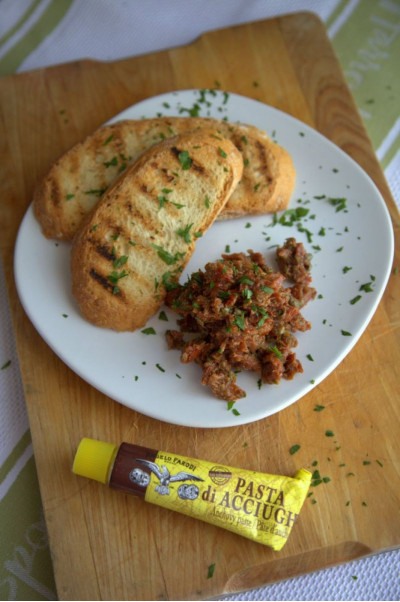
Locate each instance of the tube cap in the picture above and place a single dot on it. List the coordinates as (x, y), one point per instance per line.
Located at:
(94, 459)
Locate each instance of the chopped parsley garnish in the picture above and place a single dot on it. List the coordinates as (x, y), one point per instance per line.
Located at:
(319, 408)
(355, 299)
(163, 316)
(346, 269)
(307, 232)
(245, 280)
(329, 433)
(6, 364)
(193, 112)
(224, 294)
(161, 201)
(310, 357)
(149, 330)
(222, 152)
(161, 369)
(340, 204)
(120, 261)
(97, 192)
(264, 317)
(112, 162)
(184, 159)
(239, 320)
(211, 570)
(166, 256)
(69, 196)
(168, 281)
(294, 449)
(345, 333)
(185, 233)
(367, 288)
(115, 276)
(207, 202)
(275, 350)
(108, 140)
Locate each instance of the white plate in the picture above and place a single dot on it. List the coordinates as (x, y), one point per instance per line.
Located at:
(137, 370)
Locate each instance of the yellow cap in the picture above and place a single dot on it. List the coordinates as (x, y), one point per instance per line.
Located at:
(94, 459)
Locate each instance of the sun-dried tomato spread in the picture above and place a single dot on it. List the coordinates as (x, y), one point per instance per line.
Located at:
(294, 261)
(243, 318)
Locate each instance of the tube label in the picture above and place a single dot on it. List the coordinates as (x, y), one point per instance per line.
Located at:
(259, 506)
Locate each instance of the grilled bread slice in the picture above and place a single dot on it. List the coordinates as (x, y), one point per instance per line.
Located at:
(78, 179)
(137, 240)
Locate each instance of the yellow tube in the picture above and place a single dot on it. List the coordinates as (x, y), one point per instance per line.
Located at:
(260, 506)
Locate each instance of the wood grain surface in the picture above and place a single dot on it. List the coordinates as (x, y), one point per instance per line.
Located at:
(106, 545)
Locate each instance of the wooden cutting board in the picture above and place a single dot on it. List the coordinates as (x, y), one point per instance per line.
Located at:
(107, 545)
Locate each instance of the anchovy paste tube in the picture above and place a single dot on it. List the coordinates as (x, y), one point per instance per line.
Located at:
(259, 506)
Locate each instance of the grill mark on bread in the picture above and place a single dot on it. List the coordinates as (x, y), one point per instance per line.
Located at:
(193, 164)
(175, 151)
(104, 251)
(55, 191)
(75, 163)
(115, 290)
(105, 283)
(138, 223)
(169, 177)
(198, 167)
(263, 159)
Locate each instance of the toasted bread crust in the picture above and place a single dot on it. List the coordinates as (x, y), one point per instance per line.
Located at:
(78, 178)
(142, 232)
